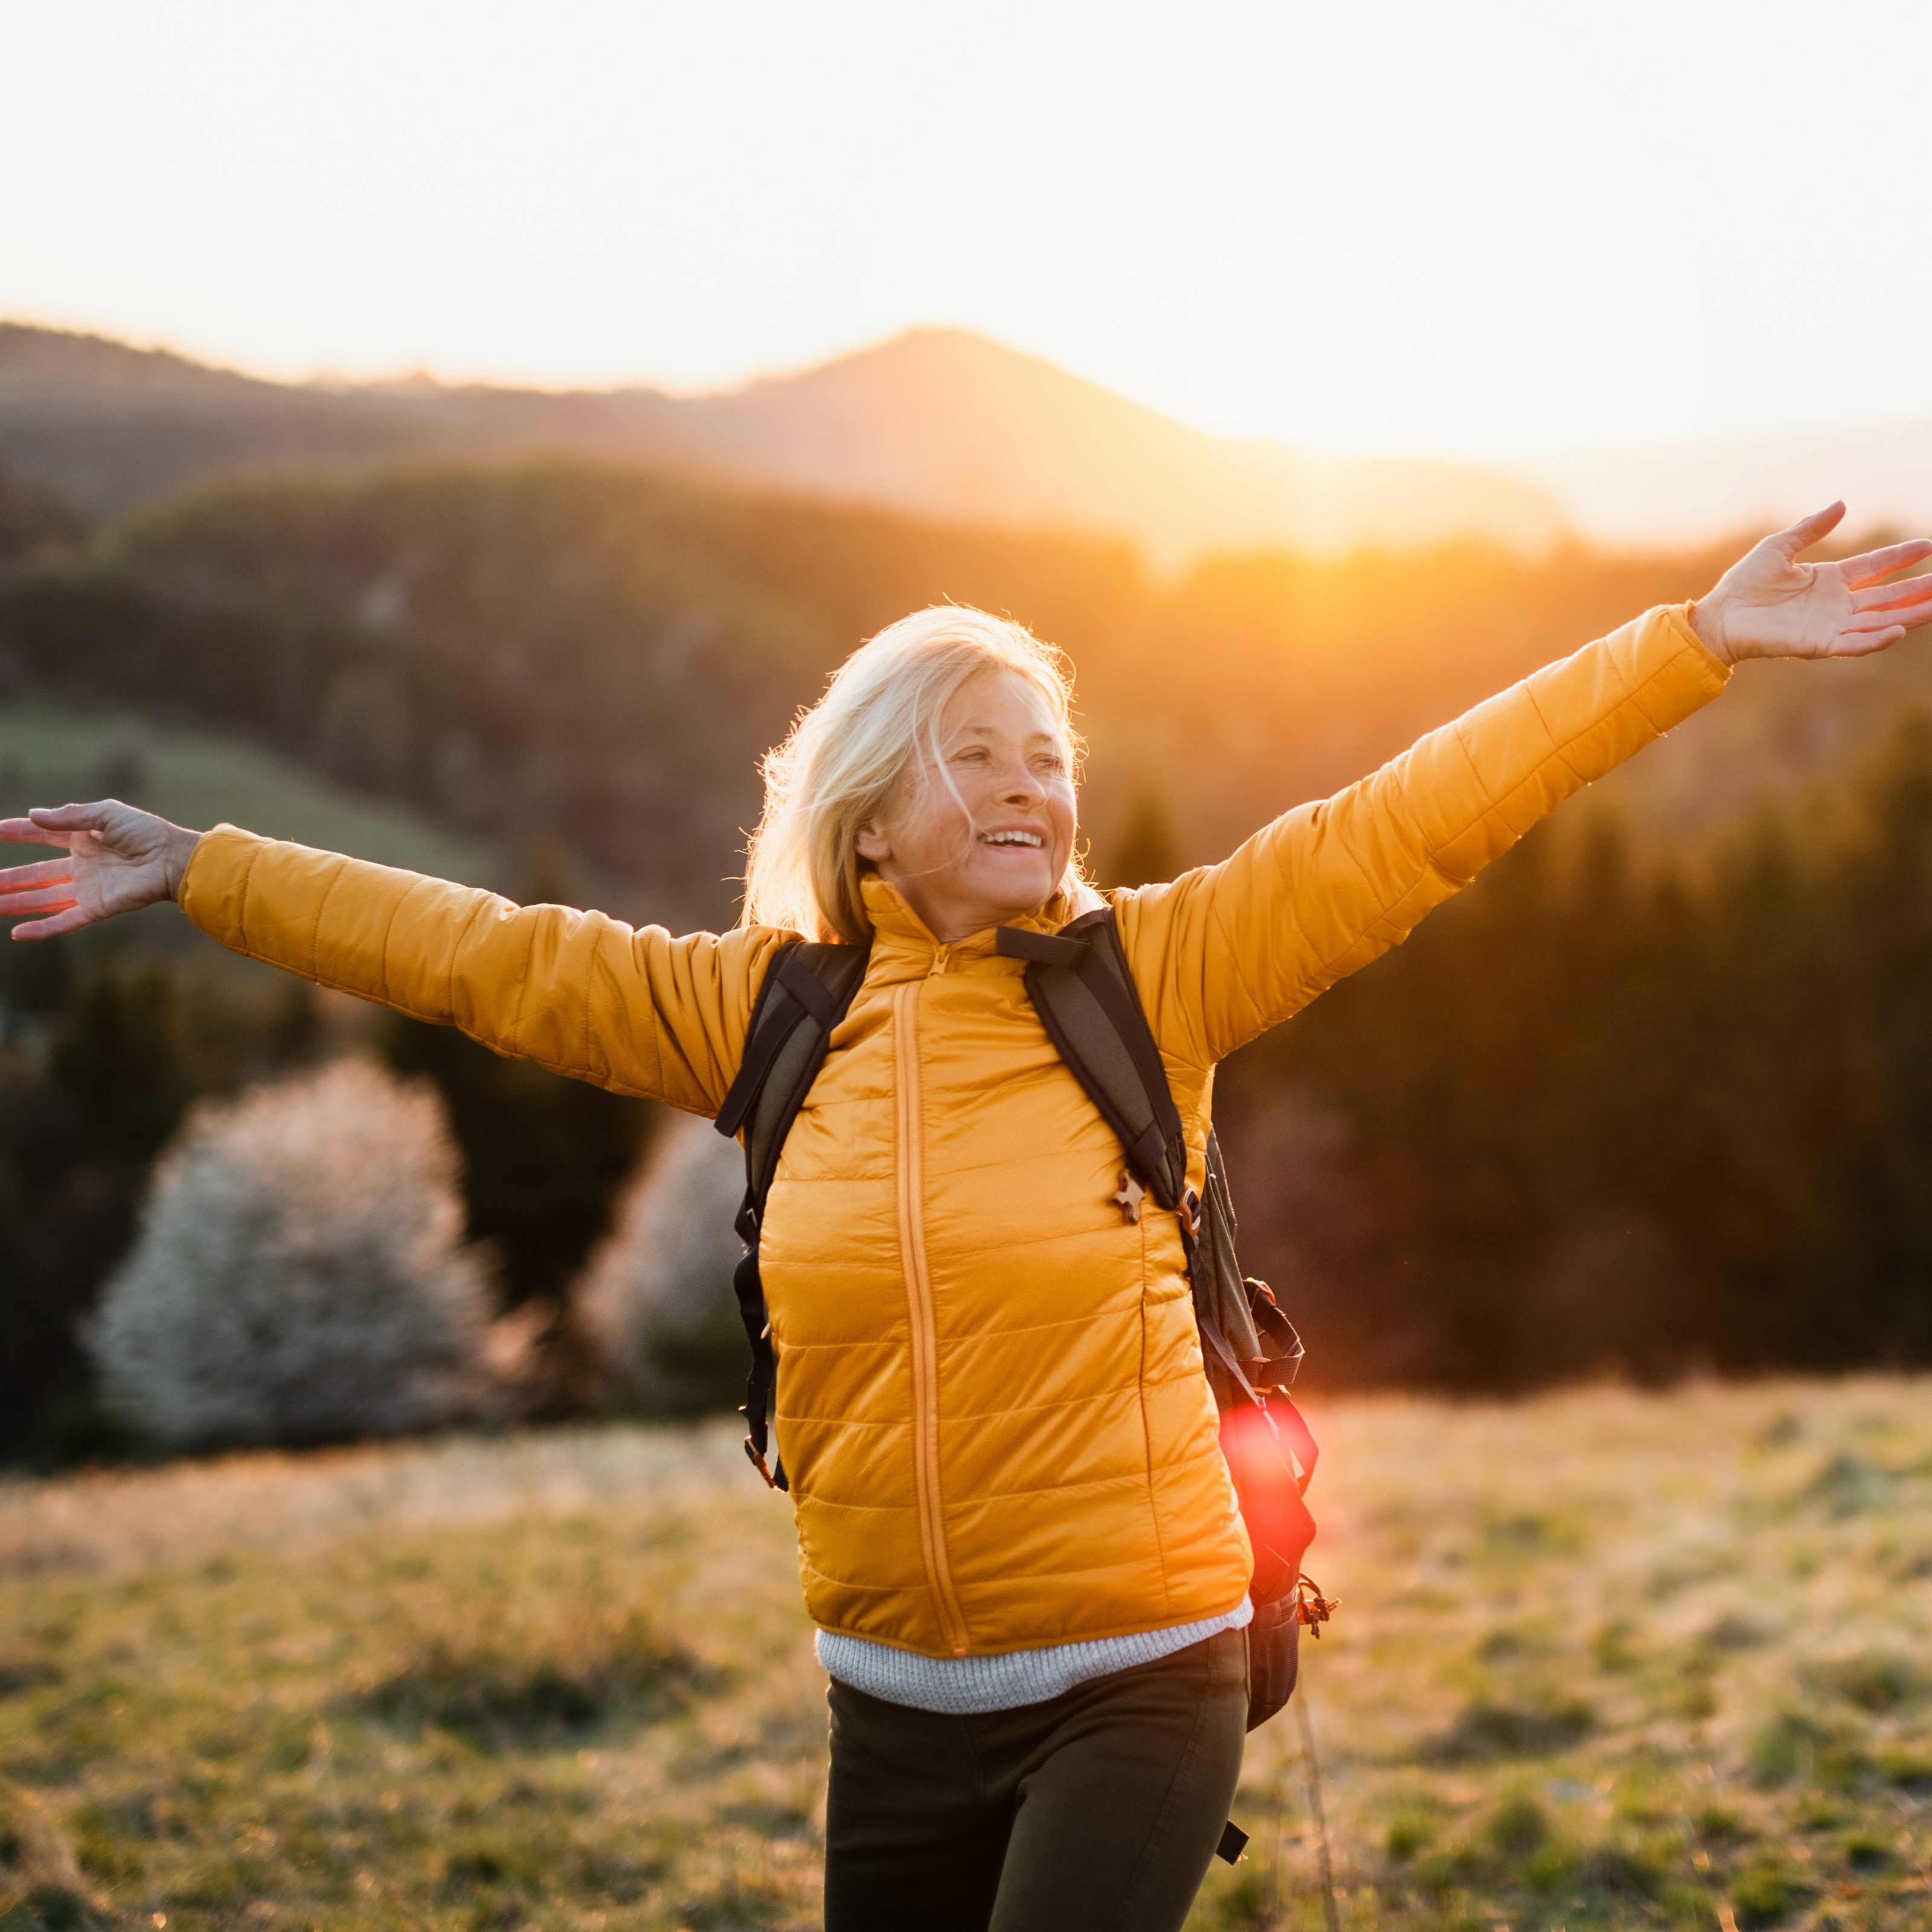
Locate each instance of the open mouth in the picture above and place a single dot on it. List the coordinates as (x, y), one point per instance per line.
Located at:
(1031, 840)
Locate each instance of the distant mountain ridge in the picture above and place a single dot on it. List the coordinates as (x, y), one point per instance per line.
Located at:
(939, 422)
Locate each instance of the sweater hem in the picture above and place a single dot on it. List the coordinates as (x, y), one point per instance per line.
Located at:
(1009, 1680)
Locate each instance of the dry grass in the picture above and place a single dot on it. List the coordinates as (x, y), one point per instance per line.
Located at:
(1605, 1659)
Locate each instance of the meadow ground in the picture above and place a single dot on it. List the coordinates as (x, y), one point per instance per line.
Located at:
(1604, 1660)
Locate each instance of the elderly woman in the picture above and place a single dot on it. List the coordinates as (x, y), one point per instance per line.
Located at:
(1016, 1529)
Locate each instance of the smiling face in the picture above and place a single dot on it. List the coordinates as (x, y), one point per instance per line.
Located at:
(992, 844)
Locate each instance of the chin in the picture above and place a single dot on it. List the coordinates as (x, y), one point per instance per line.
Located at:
(1017, 901)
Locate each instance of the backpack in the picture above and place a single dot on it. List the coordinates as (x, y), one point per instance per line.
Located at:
(1078, 981)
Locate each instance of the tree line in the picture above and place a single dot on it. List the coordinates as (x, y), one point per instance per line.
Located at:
(1618, 1110)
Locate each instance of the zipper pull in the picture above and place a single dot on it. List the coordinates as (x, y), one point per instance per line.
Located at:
(939, 960)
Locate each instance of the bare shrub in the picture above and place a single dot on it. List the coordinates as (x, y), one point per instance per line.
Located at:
(300, 1274)
(657, 1295)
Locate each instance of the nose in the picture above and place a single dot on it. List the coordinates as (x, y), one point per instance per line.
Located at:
(1022, 785)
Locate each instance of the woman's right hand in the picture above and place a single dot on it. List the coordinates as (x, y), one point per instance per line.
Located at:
(118, 859)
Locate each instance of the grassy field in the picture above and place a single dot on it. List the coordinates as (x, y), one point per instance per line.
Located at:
(1604, 1660)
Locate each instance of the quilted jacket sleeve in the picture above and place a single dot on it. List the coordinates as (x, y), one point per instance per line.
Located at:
(1224, 953)
(636, 1011)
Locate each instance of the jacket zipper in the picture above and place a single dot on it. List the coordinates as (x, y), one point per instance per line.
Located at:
(919, 1311)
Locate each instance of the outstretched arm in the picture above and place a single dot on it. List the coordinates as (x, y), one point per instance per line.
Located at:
(1224, 954)
(637, 1010)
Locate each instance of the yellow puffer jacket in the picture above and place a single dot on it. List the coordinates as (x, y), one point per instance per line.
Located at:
(990, 1400)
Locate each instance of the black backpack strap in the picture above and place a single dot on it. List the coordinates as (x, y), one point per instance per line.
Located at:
(1080, 985)
(806, 992)
(1083, 990)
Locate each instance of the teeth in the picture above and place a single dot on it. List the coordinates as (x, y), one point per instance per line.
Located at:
(1013, 839)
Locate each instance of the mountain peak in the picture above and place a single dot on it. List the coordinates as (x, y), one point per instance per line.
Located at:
(940, 421)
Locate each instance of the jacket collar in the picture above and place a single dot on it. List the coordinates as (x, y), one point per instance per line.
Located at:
(900, 937)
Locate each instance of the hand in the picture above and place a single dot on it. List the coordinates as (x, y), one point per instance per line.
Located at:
(1767, 604)
(118, 859)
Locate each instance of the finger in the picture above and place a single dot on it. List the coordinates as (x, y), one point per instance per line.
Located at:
(1813, 529)
(94, 817)
(1876, 563)
(72, 920)
(1863, 643)
(1907, 619)
(47, 899)
(24, 831)
(1898, 596)
(43, 872)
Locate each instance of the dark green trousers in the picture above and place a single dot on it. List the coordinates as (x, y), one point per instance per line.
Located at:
(1096, 1811)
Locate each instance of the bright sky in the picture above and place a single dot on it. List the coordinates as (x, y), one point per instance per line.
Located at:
(1483, 228)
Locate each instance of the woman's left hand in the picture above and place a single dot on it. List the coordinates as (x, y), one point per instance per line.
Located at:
(118, 859)
(1767, 604)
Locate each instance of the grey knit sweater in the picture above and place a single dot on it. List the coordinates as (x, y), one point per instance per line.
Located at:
(961, 1686)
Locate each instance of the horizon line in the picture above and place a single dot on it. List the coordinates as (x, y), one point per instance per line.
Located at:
(1522, 460)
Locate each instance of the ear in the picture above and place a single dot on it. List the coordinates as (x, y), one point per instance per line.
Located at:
(872, 844)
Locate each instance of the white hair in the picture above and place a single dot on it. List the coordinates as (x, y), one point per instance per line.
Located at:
(836, 770)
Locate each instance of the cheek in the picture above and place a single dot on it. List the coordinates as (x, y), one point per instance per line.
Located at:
(1066, 819)
(933, 831)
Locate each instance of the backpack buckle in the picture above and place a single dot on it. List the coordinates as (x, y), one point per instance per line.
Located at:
(1188, 1209)
(1312, 1607)
(756, 1457)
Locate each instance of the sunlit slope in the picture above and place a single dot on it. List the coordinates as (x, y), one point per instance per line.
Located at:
(938, 421)
(1604, 1661)
(563, 653)
(51, 754)
(948, 424)
(109, 425)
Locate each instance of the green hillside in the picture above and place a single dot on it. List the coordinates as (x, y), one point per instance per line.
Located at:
(562, 652)
(51, 754)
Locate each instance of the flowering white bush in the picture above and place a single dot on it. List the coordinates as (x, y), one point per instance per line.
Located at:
(300, 1274)
(657, 1296)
